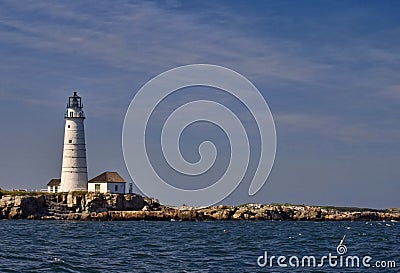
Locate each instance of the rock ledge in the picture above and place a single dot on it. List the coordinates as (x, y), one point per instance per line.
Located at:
(117, 207)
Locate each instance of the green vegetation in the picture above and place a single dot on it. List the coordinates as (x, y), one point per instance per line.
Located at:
(351, 209)
(79, 192)
(74, 193)
(340, 209)
(286, 205)
(19, 192)
(34, 193)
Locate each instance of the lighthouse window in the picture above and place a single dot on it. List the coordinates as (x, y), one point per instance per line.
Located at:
(71, 114)
(69, 126)
(70, 141)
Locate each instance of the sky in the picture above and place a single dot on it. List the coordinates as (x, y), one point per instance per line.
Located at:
(329, 71)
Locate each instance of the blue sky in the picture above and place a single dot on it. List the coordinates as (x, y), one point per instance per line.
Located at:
(329, 71)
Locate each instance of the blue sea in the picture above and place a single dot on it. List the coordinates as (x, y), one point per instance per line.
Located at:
(222, 246)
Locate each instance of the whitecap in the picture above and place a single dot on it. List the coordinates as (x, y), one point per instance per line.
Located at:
(57, 260)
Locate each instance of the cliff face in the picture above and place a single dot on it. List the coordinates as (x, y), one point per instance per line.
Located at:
(94, 206)
(70, 206)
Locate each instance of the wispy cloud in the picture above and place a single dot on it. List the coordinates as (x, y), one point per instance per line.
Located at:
(143, 36)
(342, 130)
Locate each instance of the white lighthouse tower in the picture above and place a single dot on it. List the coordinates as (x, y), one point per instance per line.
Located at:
(74, 169)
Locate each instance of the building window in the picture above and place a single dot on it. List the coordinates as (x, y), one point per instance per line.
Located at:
(116, 187)
(51, 188)
(56, 189)
(70, 141)
(97, 187)
(69, 126)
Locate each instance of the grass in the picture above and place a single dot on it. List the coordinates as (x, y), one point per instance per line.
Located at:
(286, 205)
(340, 209)
(19, 192)
(351, 209)
(35, 193)
(78, 192)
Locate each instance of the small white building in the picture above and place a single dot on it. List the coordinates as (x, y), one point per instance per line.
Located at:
(54, 185)
(110, 182)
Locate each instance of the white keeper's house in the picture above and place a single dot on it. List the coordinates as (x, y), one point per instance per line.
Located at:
(110, 182)
(107, 182)
(54, 185)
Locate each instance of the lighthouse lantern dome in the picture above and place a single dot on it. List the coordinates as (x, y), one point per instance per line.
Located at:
(74, 107)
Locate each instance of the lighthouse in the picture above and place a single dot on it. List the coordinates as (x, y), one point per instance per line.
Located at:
(74, 168)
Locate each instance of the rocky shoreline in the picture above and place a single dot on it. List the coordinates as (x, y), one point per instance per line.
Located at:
(129, 207)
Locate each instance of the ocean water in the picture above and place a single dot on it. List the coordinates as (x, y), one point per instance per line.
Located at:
(225, 246)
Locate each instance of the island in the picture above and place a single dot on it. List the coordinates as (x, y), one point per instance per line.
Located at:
(91, 206)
